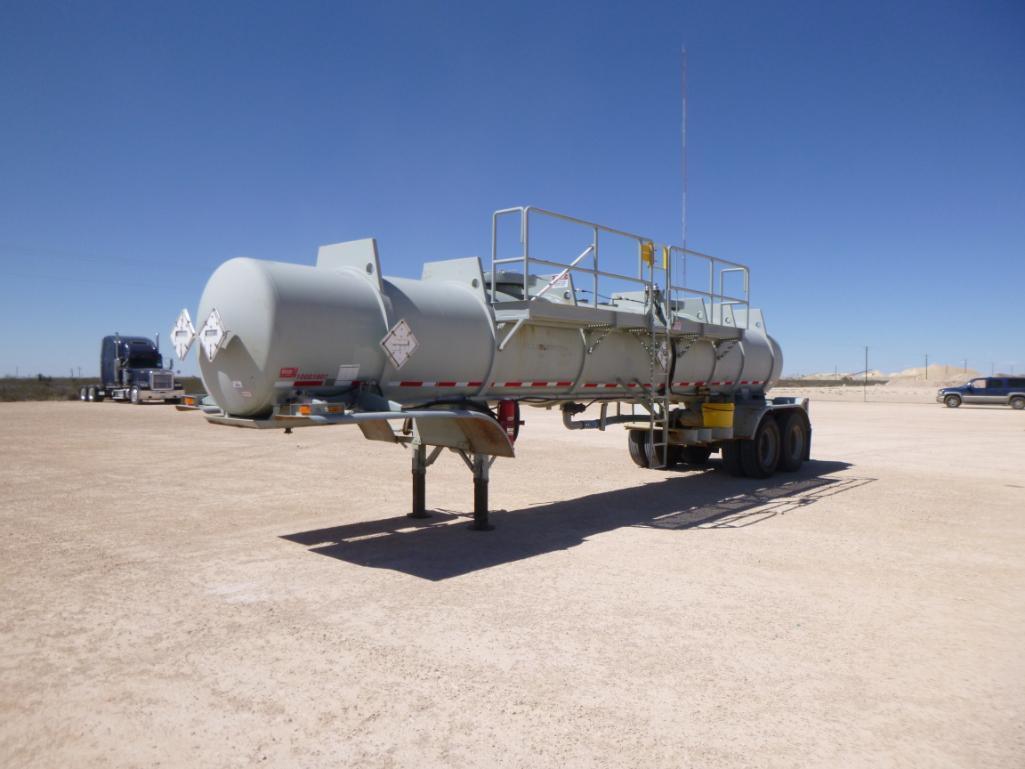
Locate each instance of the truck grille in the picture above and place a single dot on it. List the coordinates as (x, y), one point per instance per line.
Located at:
(163, 380)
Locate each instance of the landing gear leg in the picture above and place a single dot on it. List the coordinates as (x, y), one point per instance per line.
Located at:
(480, 466)
(421, 461)
(419, 483)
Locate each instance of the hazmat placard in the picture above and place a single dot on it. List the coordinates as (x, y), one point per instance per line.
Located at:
(183, 334)
(211, 337)
(400, 344)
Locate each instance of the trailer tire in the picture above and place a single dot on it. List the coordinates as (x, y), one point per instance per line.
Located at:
(760, 455)
(90, 394)
(952, 401)
(81, 393)
(794, 442)
(636, 441)
(1018, 403)
(653, 455)
(695, 455)
(731, 458)
(133, 395)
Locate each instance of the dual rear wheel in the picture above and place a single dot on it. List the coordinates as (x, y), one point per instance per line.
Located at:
(779, 443)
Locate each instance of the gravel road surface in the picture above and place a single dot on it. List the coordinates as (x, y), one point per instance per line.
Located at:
(177, 594)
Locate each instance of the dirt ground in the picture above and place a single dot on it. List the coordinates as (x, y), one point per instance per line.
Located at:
(178, 594)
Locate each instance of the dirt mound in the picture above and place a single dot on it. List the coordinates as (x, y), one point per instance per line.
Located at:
(938, 375)
(836, 376)
(936, 372)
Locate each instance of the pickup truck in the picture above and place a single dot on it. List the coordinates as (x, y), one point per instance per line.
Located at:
(1005, 391)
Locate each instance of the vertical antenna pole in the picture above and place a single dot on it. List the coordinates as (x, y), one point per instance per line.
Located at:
(683, 142)
(683, 166)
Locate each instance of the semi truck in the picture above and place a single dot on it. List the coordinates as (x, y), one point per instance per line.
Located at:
(607, 326)
(132, 370)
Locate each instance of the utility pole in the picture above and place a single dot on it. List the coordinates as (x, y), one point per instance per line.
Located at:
(927, 366)
(864, 391)
(992, 368)
(965, 366)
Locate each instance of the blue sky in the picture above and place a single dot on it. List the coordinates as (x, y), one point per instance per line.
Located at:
(866, 159)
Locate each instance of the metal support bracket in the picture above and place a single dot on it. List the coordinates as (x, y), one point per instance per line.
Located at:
(511, 334)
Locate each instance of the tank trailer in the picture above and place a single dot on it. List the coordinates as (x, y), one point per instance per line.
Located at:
(609, 326)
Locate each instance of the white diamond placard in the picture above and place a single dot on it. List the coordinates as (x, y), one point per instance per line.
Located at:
(183, 335)
(212, 335)
(663, 355)
(400, 344)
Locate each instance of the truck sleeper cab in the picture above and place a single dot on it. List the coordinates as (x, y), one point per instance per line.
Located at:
(132, 369)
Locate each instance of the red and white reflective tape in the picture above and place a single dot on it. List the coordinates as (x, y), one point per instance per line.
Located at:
(726, 383)
(515, 384)
(533, 384)
(301, 383)
(418, 383)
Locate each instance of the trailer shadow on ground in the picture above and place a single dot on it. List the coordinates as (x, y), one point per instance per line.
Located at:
(443, 546)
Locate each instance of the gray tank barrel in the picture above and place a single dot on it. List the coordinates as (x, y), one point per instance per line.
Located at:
(461, 334)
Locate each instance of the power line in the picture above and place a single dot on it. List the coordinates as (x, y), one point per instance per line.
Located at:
(23, 251)
(71, 279)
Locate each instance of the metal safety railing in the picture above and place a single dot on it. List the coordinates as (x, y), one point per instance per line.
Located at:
(663, 271)
(716, 269)
(590, 267)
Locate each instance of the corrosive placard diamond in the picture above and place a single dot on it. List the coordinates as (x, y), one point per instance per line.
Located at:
(400, 344)
(662, 355)
(183, 334)
(212, 335)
